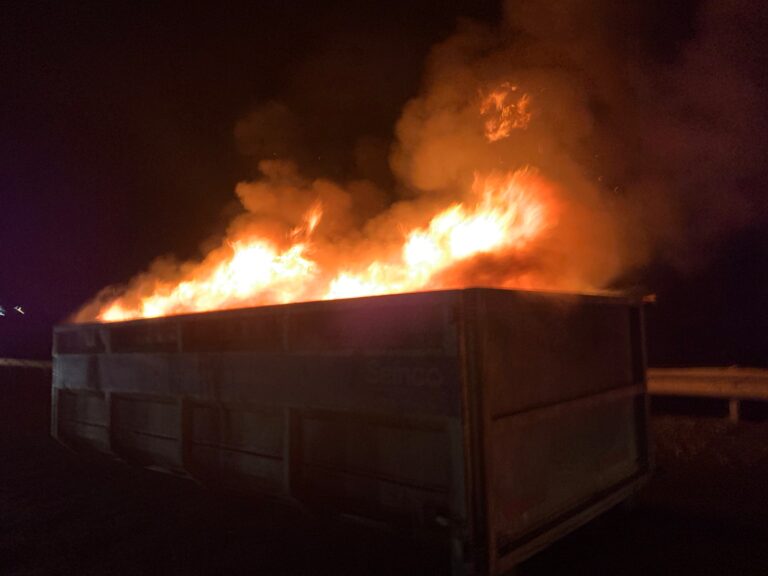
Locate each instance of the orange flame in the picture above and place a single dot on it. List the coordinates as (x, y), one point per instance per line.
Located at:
(508, 213)
(502, 212)
(504, 113)
(253, 268)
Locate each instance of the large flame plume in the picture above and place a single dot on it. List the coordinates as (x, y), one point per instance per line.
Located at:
(298, 241)
(503, 213)
(491, 190)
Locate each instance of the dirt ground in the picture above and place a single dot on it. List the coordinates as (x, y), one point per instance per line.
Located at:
(704, 512)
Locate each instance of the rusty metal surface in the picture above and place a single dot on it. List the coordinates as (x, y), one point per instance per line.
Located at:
(495, 420)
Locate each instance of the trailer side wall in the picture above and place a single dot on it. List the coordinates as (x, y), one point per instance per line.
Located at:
(563, 413)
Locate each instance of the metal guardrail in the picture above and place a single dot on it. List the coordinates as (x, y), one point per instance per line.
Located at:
(733, 384)
(18, 363)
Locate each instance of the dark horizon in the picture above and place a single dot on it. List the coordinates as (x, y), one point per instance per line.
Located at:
(118, 146)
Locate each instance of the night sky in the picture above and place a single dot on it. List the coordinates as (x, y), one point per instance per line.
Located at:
(117, 146)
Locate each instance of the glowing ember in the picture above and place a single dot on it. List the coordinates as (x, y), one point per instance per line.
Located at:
(504, 111)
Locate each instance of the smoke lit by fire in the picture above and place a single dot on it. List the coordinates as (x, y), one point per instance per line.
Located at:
(537, 155)
(300, 241)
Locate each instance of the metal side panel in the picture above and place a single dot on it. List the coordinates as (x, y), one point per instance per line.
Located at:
(384, 468)
(551, 461)
(76, 372)
(147, 430)
(426, 385)
(563, 414)
(168, 374)
(237, 446)
(538, 349)
(81, 419)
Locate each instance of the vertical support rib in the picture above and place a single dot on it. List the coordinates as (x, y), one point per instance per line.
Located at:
(291, 453)
(110, 431)
(185, 433)
(476, 559)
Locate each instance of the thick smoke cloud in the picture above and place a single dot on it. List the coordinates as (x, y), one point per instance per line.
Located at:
(665, 145)
(702, 132)
(668, 127)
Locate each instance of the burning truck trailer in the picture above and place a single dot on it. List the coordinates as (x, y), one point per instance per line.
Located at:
(493, 421)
